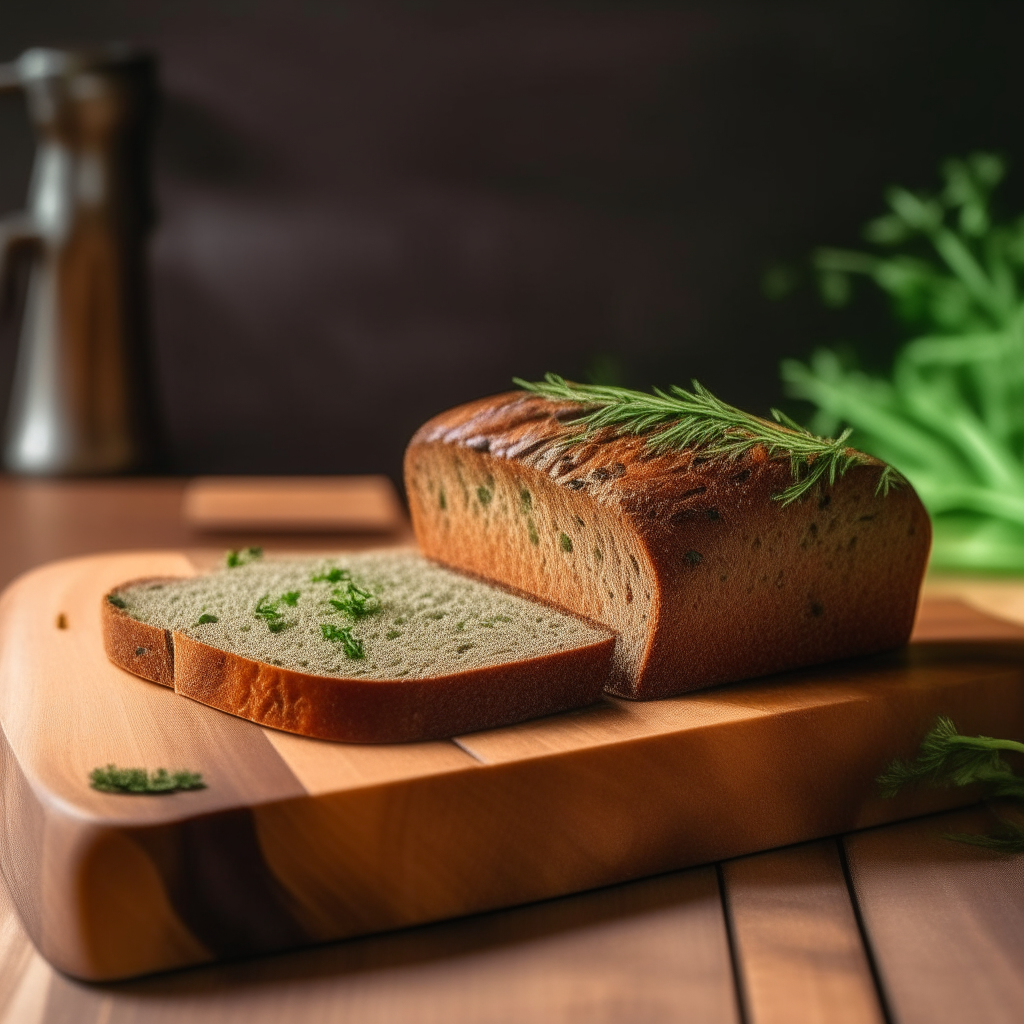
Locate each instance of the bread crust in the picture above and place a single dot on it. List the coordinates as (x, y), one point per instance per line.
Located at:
(705, 576)
(143, 650)
(356, 710)
(391, 710)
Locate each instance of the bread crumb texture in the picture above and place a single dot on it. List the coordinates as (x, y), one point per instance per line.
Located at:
(423, 620)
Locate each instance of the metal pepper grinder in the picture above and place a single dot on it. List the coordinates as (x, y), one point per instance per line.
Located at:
(81, 401)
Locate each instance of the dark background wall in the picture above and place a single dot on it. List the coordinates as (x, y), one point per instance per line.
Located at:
(373, 210)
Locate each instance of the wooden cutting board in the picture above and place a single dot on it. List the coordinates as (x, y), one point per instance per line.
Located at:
(298, 841)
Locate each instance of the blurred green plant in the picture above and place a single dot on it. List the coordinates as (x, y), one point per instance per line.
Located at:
(951, 416)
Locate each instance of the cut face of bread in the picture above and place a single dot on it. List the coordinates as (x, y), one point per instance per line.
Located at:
(371, 647)
(704, 575)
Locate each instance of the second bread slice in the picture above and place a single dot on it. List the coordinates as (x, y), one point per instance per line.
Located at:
(374, 647)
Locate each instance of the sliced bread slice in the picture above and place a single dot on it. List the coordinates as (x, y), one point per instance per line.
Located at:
(375, 647)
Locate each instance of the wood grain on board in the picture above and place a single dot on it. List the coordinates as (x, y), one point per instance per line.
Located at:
(799, 951)
(297, 841)
(24, 975)
(93, 899)
(945, 919)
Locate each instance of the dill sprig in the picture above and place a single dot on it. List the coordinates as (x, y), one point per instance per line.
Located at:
(1008, 838)
(111, 779)
(683, 419)
(948, 759)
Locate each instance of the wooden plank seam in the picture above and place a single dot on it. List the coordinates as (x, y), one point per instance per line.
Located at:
(865, 937)
(739, 987)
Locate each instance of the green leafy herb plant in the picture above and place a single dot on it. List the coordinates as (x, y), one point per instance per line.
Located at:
(951, 416)
(111, 779)
(677, 419)
(948, 759)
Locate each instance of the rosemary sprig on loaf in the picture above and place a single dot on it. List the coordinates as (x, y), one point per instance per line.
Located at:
(682, 419)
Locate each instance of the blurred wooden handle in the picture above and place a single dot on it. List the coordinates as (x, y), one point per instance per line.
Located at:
(329, 504)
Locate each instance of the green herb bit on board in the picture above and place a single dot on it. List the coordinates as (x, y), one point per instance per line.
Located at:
(679, 419)
(244, 556)
(343, 635)
(948, 759)
(111, 779)
(354, 601)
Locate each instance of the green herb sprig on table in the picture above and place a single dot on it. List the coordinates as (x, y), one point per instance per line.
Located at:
(948, 759)
(951, 416)
(111, 779)
(682, 419)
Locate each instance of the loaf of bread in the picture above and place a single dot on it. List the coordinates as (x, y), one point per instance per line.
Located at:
(373, 647)
(702, 572)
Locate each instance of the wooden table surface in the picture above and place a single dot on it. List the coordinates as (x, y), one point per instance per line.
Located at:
(889, 924)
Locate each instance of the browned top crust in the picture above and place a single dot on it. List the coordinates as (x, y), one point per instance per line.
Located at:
(654, 486)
